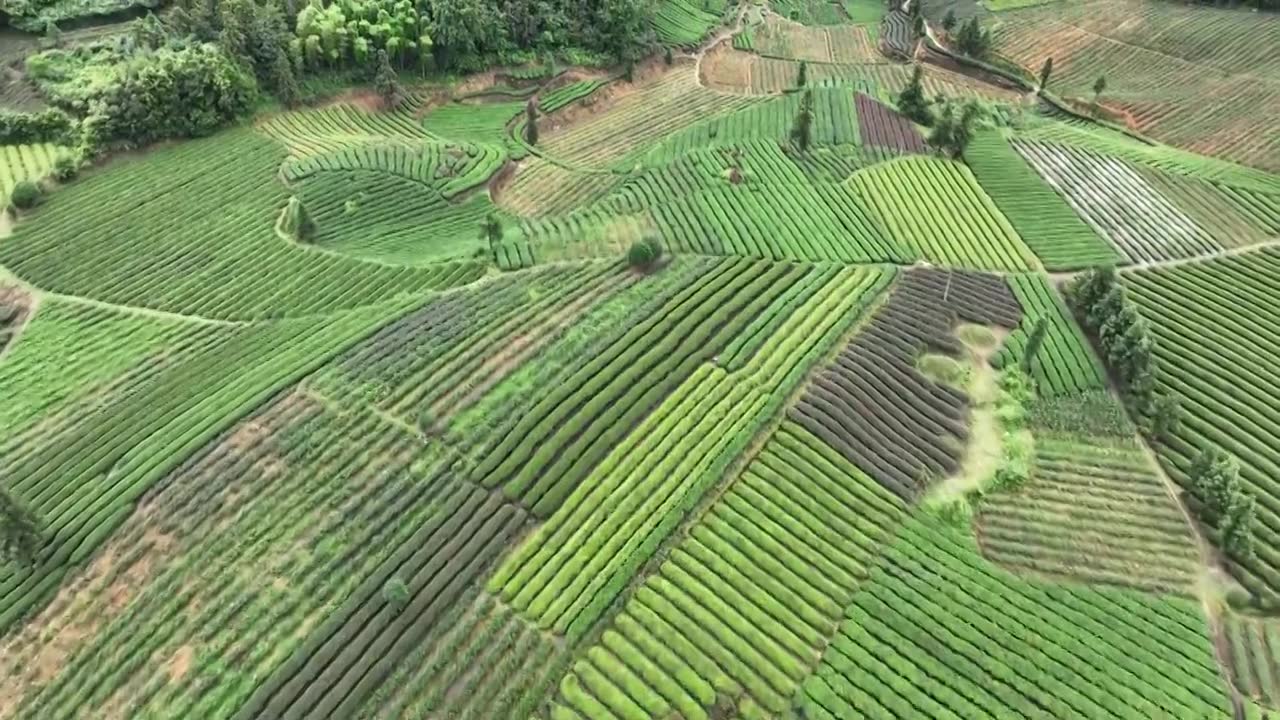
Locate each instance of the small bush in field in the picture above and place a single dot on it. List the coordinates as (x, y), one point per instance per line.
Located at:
(644, 253)
(396, 593)
(66, 168)
(25, 195)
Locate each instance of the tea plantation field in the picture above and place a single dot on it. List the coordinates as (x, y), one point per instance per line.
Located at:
(721, 383)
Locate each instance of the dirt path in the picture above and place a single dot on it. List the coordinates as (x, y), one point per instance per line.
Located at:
(1226, 252)
(1066, 276)
(1212, 571)
(984, 449)
(725, 33)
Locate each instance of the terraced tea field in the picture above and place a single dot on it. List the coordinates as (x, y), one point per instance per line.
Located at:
(697, 379)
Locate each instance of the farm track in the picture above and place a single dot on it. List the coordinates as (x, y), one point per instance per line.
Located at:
(1210, 566)
(37, 293)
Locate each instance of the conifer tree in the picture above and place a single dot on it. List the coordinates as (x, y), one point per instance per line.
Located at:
(1034, 340)
(1044, 73)
(531, 122)
(912, 102)
(802, 129)
(386, 82)
(19, 530)
(286, 84)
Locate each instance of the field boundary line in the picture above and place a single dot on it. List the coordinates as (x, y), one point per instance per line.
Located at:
(1224, 253)
(137, 309)
(735, 468)
(1209, 562)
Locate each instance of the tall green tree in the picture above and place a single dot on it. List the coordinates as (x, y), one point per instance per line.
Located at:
(802, 129)
(296, 221)
(284, 82)
(1166, 416)
(1034, 340)
(912, 101)
(1099, 86)
(1044, 74)
(386, 82)
(1215, 478)
(491, 231)
(52, 35)
(20, 537)
(531, 122)
(802, 76)
(949, 20)
(953, 130)
(973, 39)
(1236, 528)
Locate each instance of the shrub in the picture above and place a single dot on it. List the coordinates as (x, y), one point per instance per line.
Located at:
(396, 593)
(66, 168)
(143, 95)
(957, 513)
(18, 128)
(644, 253)
(25, 195)
(296, 222)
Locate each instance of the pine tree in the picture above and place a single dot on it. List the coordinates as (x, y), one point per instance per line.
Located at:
(52, 35)
(1034, 340)
(19, 530)
(1166, 416)
(1044, 73)
(802, 76)
(972, 39)
(803, 127)
(949, 20)
(953, 131)
(1099, 86)
(912, 102)
(531, 122)
(286, 85)
(491, 231)
(386, 82)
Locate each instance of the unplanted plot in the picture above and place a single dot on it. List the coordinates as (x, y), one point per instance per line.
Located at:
(876, 409)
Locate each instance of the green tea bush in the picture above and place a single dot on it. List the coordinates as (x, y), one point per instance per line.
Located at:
(25, 195)
(66, 168)
(644, 253)
(396, 593)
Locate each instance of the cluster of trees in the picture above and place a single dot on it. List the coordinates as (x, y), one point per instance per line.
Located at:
(140, 87)
(1126, 341)
(202, 66)
(1224, 505)
(186, 92)
(952, 125)
(26, 128)
(447, 34)
(972, 39)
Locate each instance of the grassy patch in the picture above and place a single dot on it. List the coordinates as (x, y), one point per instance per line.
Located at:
(943, 369)
(977, 337)
(864, 11)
